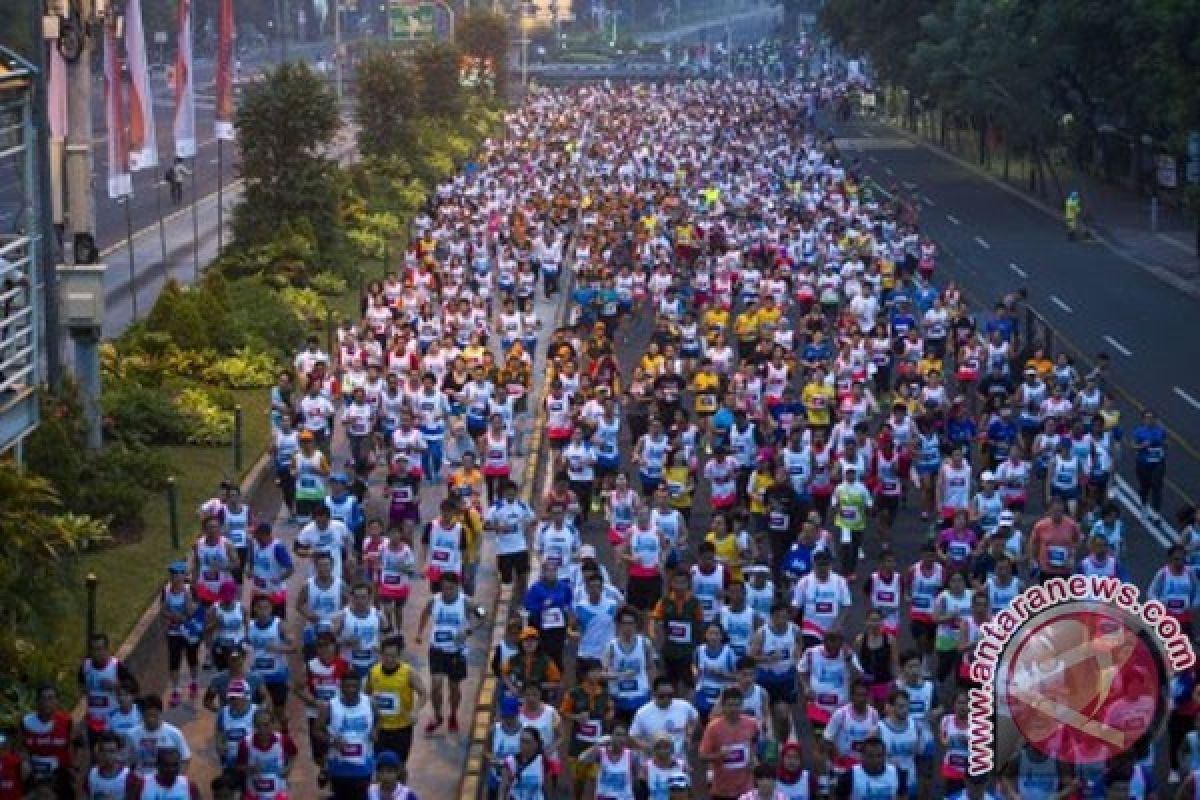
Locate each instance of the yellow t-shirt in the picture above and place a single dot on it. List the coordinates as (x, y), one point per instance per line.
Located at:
(705, 386)
(716, 318)
(759, 484)
(818, 400)
(765, 315)
(676, 481)
(727, 553)
(745, 326)
(393, 695)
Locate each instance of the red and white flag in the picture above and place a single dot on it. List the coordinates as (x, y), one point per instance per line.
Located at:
(143, 141)
(223, 118)
(185, 97)
(120, 184)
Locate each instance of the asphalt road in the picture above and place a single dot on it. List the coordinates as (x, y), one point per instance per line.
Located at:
(991, 242)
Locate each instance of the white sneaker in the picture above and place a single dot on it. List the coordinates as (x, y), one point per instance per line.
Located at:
(1173, 777)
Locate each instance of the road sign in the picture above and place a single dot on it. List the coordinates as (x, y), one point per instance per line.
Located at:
(410, 22)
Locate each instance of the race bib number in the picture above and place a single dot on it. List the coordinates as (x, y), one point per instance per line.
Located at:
(823, 607)
(678, 631)
(1057, 555)
(552, 618)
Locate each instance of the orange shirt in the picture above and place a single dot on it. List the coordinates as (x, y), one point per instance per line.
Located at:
(732, 747)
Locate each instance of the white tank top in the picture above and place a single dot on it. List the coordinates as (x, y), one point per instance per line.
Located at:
(828, 678)
(449, 620)
(956, 485)
(445, 546)
(782, 644)
(179, 790)
(615, 778)
(368, 631)
(323, 603)
(633, 661)
(354, 726)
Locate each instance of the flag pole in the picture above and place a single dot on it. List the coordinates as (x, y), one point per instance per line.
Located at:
(195, 226)
(133, 289)
(220, 195)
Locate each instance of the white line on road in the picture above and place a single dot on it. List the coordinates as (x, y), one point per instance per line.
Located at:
(868, 134)
(1120, 348)
(1017, 270)
(953, 219)
(1058, 302)
(1161, 530)
(1187, 398)
(983, 243)
(874, 160)
(929, 201)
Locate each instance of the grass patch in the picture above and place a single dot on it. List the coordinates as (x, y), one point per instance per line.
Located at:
(130, 575)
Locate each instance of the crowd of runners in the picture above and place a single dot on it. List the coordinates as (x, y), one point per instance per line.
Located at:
(790, 475)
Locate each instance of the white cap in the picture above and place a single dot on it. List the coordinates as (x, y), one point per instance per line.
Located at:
(987, 475)
(587, 551)
(1007, 518)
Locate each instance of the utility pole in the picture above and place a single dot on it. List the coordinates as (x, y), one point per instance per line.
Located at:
(81, 214)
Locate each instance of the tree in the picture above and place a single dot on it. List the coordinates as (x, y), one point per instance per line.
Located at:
(441, 92)
(482, 35)
(39, 580)
(387, 92)
(285, 126)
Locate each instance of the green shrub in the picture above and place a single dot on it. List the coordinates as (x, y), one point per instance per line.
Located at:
(189, 316)
(141, 415)
(328, 284)
(247, 368)
(262, 317)
(306, 304)
(208, 422)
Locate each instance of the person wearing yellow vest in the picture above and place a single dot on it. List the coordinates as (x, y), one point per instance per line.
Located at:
(851, 504)
(397, 695)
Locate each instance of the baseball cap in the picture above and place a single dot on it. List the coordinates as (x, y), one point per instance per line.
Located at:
(227, 592)
(339, 477)
(509, 707)
(529, 633)
(987, 475)
(306, 436)
(177, 568)
(387, 759)
(587, 551)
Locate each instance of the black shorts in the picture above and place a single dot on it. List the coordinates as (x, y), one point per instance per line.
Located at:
(781, 691)
(279, 695)
(452, 665)
(509, 565)
(922, 631)
(888, 506)
(678, 669)
(399, 741)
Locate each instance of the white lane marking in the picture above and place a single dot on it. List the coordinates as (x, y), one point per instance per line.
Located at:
(953, 219)
(1120, 348)
(1017, 270)
(874, 160)
(983, 243)
(929, 201)
(1058, 302)
(868, 134)
(1161, 530)
(1187, 398)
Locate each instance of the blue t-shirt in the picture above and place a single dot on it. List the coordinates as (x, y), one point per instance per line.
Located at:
(1155, 439)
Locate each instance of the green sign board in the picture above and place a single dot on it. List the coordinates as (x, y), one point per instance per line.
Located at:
(410, 22)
